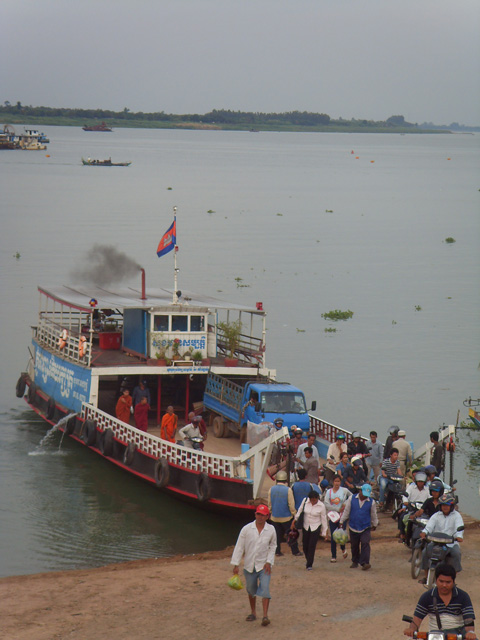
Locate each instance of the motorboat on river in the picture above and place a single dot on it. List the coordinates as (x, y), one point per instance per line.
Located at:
(104, 163)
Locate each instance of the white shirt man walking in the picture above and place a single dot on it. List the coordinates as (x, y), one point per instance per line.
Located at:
(256, 544)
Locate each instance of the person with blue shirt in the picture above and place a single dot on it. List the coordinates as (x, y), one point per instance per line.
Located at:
(302, 488)
(281, 505)
(361, 512)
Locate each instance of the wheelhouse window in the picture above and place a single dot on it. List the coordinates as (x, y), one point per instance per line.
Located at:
(179, 323)
(160, 323)
(197, 323)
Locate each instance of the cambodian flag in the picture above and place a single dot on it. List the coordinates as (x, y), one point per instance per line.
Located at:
(168, 240)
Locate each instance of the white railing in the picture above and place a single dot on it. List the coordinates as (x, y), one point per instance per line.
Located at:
(48, 335)
(201, 461)
(445, 433)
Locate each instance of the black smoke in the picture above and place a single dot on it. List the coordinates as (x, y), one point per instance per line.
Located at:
(104, 265)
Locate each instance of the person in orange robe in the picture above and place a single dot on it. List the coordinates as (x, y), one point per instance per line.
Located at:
(169, 425)
(124, 404)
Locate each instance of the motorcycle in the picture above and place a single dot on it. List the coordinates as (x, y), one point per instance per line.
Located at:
(196, 442)
(394, 495)
(413, 526)
(434, 635)
(440, 553)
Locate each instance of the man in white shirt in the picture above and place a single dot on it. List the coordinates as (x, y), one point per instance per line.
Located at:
(301, 449)
(189, 431)
(256, 544)
(449, 521)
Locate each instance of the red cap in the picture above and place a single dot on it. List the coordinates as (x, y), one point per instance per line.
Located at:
(263, 509)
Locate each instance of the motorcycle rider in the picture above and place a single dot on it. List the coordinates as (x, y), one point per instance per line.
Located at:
(390, 467)
(392, 438)
(446, 520)
(416, 492)
(447, 604)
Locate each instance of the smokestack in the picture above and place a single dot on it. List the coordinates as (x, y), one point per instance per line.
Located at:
(144, 297)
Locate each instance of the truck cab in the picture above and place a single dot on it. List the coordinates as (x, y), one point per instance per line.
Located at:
(265, 402)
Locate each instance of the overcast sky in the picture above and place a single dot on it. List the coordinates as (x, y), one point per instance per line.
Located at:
(348, 58)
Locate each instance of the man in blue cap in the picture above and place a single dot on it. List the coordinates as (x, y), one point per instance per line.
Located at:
(361, 511)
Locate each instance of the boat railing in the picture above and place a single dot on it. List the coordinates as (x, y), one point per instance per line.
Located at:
(327, 431)
(445, 433)
(194, 460)
(49, 334)
(250, 349)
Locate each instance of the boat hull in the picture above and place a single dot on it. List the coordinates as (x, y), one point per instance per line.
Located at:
(215, 493)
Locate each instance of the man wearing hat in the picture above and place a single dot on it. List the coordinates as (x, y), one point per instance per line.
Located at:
(281, 504)
(334, 453)
(256, 544)
(361, 511)
(405, 456)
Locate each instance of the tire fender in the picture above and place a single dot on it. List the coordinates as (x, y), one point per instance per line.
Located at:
(20, 388)
(89, 435)
(50, 411)
(32, 393)
(106, 443)
(162, 473)
(129, 453)
(70, 426)
(203, 487)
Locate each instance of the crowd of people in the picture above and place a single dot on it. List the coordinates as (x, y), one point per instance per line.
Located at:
(338, 501)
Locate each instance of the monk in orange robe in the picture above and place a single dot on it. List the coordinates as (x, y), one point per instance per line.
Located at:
(124, 404)
(169, 425)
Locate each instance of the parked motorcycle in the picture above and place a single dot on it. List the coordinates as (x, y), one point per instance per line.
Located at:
(434, 635)
(394, 495)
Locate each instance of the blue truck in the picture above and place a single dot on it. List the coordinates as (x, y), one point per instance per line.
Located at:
(232, 402)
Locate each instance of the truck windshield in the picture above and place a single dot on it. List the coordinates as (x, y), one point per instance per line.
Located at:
(283, 402)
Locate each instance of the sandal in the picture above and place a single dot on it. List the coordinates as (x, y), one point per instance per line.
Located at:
(251, 617)
(345, 554)
(265, 621)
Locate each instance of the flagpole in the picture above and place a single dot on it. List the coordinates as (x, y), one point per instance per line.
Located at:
(175, 270)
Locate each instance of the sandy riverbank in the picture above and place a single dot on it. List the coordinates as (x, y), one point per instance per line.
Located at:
(187, 597)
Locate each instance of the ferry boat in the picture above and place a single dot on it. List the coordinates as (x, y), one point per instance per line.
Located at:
(91, 342)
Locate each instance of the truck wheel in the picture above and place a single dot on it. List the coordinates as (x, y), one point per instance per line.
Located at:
(218, 427)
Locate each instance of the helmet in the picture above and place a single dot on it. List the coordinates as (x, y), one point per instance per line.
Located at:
(297, 429)
(324, 484)
(448, 499)
(340, 436)
(279, 421)
(355, 434)
(393, 430)
(421, 477)
(437, 485)
(356, 459)
(281, 476)
(430, 469)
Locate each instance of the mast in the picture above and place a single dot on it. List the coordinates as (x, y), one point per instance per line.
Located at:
(175, 249)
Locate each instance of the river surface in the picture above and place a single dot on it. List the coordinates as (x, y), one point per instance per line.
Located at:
(305, 223)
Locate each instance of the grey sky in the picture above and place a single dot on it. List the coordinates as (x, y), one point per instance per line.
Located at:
(348, 58)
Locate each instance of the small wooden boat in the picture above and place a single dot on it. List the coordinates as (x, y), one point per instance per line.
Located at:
(97, 127)
(104, 163)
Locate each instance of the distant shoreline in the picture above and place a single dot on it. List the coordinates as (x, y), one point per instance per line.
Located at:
(115, 123)
(199, 126)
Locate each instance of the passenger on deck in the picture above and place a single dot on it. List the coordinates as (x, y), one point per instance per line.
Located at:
(141, 391)
(168, 426)
(141, 414)
(124, 405)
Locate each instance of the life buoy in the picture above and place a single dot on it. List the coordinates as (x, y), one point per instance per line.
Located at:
(70, 426)
(89, 434)
(129, 453)
(106, 443)
(204, 487)
(50, 412)
(162, 472)
(62, 339)
(82, 346)
(32, 393)
(20, 388)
